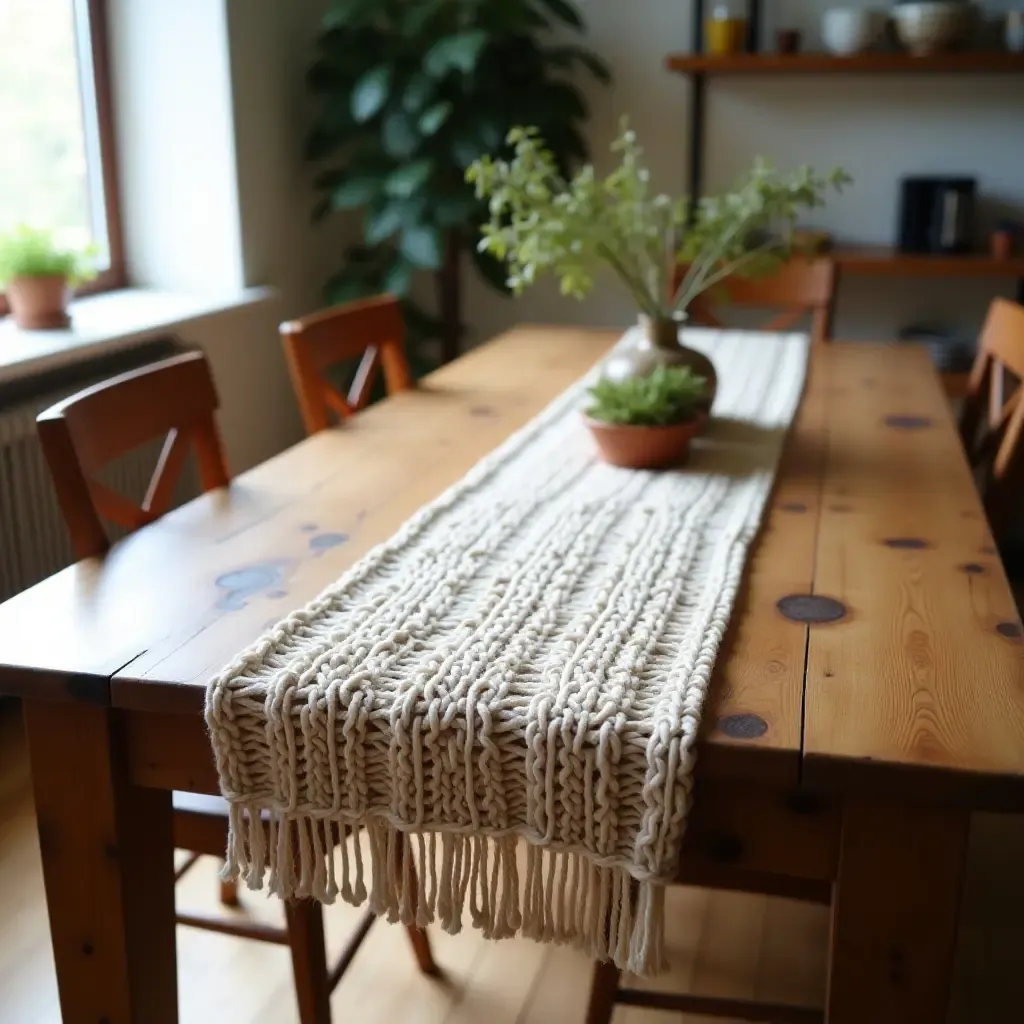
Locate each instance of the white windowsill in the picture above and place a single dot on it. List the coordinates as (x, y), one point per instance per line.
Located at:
(101, 324)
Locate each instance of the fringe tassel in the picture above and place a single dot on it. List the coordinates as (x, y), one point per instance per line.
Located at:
(416, 879)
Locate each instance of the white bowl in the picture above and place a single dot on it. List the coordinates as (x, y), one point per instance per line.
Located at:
(934, 26)
(849, 30)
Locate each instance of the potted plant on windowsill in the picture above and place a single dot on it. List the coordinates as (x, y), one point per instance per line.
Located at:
(37, 274)
(540, 222)
(647, 422)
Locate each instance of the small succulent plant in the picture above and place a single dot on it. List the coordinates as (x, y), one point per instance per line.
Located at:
(669, 395)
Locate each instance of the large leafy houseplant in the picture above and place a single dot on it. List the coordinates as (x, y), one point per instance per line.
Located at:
(410, 93)
(541, 221)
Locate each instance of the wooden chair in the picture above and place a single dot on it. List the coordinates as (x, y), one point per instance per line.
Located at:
(797, 289)
(79, 436)
(372, 329)
(993, 412)
(83, 433)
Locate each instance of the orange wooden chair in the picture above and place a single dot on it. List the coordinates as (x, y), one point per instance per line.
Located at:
(83, 433)
(372, 329)
(79, 436)
(797, 289)
(993, 412)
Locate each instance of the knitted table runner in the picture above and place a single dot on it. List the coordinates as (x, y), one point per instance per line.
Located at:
(526, 659)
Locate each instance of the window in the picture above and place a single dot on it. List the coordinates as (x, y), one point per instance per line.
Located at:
(57, 167)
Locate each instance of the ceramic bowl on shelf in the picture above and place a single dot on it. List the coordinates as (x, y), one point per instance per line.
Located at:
(934, 26)
(849, 30)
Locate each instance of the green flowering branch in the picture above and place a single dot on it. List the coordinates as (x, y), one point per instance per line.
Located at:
(542, 223)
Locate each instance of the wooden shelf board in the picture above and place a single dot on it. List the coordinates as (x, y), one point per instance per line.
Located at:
(882, 262)
(978, 62)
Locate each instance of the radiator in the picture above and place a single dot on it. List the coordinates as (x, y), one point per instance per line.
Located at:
(34, 541)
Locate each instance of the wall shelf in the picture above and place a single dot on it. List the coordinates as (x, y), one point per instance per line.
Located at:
(978, 62)
(883, 262)
(699, 67)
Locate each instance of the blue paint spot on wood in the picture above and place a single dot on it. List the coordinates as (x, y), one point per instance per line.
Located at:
(906, 422)
(308, 527)
(240, 585)
(743, 727)
(906, 543)
(325, 541)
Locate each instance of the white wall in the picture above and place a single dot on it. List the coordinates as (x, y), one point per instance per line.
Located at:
(209, 110)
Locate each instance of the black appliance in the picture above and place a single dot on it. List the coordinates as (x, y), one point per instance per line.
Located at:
(936, 214)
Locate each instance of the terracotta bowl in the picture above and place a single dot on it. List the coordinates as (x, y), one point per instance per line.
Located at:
(644, 447)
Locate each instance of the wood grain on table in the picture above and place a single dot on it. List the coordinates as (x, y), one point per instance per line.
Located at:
(925, 671)
(921, 674)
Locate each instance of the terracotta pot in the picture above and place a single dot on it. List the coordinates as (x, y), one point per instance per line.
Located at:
(39, 303)
(644, 447)
(659, 345)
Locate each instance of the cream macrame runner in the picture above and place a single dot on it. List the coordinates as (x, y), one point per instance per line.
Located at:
(526, 659)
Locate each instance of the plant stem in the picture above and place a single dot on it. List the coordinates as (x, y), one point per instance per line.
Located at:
(636, 288)
(731, 268)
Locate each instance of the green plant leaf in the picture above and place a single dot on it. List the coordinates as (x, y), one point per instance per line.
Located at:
(418, 92)
(418, 17)
(398, 278)
(434, 117)
(564, 102)
(421, 246)
(566, 56)
(492, 270)
(383, 222)
(456, 53)
(467, 147)
(345, 287)
(403, 182)
(399, 135)
(346, 13)
(321, 208)
(371, 92)
(564, 11)
(456, 210)
(355, 191)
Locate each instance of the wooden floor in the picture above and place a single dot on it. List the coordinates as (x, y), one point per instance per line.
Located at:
(720, 944)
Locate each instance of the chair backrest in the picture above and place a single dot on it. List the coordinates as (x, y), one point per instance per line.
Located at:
(373, 329)
(83, 433)
(993, 412)
(797, 289)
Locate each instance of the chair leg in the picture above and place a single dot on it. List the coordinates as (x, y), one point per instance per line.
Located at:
(602, 993)
(229, 894)
(305, 921)
(421, 950)
(418, 937)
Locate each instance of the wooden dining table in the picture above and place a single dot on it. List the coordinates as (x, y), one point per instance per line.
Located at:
(868, 698)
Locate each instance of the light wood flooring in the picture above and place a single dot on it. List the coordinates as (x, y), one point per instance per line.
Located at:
(720, 944)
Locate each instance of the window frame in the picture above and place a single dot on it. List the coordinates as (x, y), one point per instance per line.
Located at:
(98, 117)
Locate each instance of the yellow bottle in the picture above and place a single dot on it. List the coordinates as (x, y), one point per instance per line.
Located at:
(725, 34)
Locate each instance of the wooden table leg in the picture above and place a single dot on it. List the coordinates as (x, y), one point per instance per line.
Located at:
(108, 865)
(895, 913)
